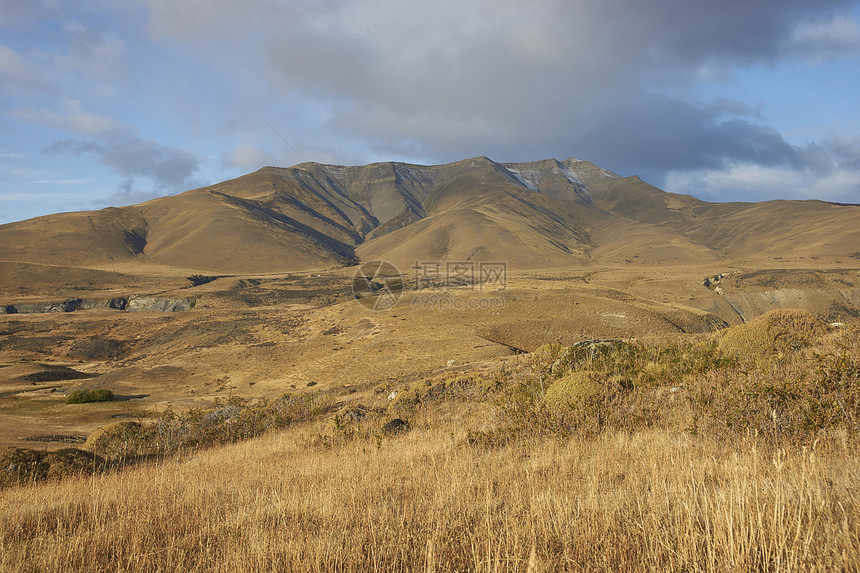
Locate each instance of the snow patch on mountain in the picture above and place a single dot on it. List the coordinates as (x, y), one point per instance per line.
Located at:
(575, 165)
(531, 175)
(518, 175)
(577, 183)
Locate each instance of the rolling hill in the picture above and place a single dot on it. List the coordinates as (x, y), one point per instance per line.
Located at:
(533, 215)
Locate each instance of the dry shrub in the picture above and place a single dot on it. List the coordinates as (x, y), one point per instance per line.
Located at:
(795, 397)
(21, 465)
(410, 399)
(234, 420)
(795, 379)
(587, 463)
(774, 334)
(119, 440)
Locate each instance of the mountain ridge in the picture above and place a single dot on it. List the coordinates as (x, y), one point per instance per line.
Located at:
(531, 214)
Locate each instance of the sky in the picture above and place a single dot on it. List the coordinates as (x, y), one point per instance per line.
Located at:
(114, 102)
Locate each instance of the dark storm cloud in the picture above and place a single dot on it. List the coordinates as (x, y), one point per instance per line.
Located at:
(662, 133)
(452, 77)
(513, 80)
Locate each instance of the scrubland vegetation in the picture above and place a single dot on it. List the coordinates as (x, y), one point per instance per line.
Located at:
(730, 451)
(84, 396)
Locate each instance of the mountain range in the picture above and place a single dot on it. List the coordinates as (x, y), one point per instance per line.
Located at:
(539, 214)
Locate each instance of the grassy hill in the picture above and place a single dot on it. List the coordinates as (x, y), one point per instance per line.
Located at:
(533, 215)
(635, 395)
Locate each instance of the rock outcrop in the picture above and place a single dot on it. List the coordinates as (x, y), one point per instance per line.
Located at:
(130, 304)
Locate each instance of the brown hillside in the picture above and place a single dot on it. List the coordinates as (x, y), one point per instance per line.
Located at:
(532, 215)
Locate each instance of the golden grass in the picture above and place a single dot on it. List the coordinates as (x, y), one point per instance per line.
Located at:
(428, 501)
(747, 465)
(783, 330)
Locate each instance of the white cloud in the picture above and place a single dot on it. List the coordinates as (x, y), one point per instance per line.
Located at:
(71, 117)
(836, 37)
(18, 75)
(749, 182)
(248, 157)
(99, 56)
(64, 181)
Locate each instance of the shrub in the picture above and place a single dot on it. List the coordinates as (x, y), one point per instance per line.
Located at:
(83, 396)
(573, 389)
(117, 441)
(197, 280)
(22, 465)
(235, 420)
(773, 335)
(792, 400)
(98, 349)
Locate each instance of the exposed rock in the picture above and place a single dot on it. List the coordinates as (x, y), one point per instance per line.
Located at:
(160, 304)
(71, 305)
(395, 426)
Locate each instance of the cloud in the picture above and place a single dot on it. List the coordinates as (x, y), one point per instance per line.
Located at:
(128, 194)
(14, 13)
(64, 181)
(437, 81)
(457, 78)
(99, 56)
(72, 117)
(750, 182)
(836, 37)
(828, 170)
(17, 75)
(658, 132)
(248, 157)
(170, 169)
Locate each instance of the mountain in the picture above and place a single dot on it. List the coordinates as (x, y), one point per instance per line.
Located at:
(533, 215)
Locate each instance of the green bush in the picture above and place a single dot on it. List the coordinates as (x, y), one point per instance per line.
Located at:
(83, 396)
(573, 389)
(773, 335)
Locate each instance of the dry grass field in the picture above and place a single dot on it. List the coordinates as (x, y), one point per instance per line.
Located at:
(659, 384)
(428, 501)
(729, 451)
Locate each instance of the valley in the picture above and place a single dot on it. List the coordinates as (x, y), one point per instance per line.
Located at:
(483, 365)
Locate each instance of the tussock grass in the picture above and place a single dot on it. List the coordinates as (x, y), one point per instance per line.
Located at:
(772, 334)
(233, 420)
(23, 465)
(428, 500)
(672, 456)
